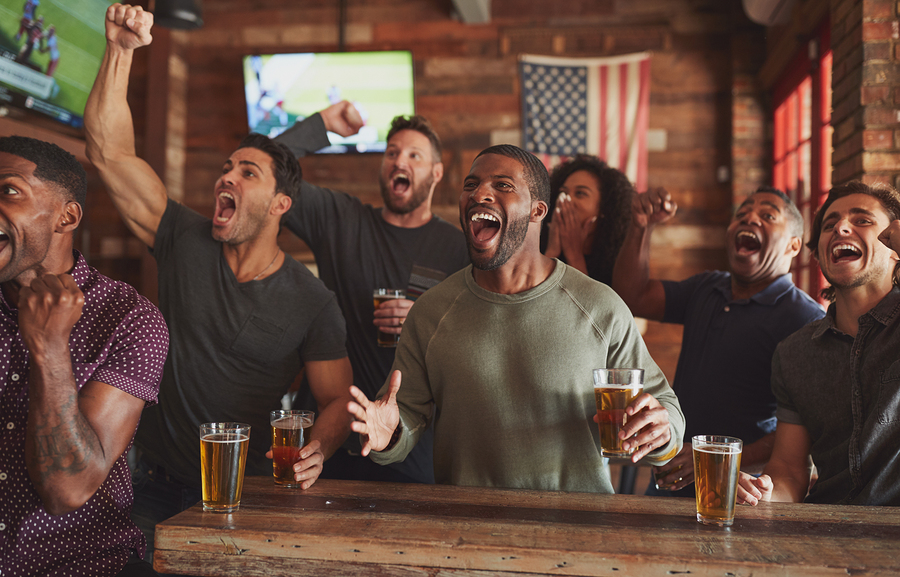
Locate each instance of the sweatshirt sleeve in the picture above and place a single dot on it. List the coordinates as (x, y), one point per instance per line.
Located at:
(415, 397)
(627, 349)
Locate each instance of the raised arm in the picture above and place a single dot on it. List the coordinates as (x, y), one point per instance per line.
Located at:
(73, 438)
(307, 136)
(342, 118)
(135, 189)
(329, 382)
(631, 274)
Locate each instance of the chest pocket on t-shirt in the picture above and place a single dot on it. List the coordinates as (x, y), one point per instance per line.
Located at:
(258, 339)
(889, 395)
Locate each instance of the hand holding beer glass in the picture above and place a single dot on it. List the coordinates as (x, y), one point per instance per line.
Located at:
(614, 390)
(290, 433)
(717, 464)
(223, 456)
(379, 297)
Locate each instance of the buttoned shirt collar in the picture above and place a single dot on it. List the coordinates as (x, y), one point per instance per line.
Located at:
(884, 312)
(768, 296)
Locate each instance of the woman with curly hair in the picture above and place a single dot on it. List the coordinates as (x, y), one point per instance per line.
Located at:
(590, 208)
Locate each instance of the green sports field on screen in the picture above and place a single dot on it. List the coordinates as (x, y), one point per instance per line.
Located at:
(28, 73)
(283, 88)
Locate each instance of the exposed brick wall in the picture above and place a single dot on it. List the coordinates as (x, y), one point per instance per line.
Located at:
(751, 145)
(865, 36)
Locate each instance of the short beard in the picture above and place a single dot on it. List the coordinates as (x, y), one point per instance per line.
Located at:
(419, 195)
(250, 229)
(511, 241)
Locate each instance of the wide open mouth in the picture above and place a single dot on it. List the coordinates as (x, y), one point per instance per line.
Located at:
(4, 240)
(224, 207)
(844, 252)
(484, 226)
(399, 183)
(746, 242)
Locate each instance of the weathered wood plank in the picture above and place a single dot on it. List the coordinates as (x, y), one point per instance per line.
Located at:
(427, 528)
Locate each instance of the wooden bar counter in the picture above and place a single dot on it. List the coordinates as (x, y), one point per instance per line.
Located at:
(366, 528)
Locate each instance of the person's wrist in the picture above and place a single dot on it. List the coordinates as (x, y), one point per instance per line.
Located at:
(395, 437)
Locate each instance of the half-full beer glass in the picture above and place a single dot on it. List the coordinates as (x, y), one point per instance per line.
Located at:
(614, 389)
(223, 456)
(717, 463)
(383, 295)
(290, 433)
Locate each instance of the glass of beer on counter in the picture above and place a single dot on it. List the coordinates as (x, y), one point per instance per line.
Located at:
(223, 456)
(717, 463)
(380, 296)
(614, 389)
(290, 433)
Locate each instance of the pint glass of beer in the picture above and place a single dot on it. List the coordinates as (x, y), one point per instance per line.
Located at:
(382, 295)
(614, 389)
(223, 456)
(717, 462)
(290, 433)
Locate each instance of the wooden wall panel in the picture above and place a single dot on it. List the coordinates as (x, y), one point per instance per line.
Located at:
(466, 84)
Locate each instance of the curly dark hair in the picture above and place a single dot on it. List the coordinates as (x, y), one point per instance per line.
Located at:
(616, 193)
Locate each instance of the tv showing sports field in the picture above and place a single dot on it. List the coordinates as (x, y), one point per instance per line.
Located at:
(50, 52)
(284, 88)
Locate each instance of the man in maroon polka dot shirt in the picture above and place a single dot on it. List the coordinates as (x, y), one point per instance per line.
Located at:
(81, 356)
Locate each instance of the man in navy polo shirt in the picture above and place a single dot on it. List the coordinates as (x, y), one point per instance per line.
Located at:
(732, 323)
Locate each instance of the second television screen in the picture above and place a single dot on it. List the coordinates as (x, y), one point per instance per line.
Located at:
(283, 88)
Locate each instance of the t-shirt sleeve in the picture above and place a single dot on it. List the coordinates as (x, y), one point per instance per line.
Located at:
(327, 336)
(786, 411)
(306, 136)
(176, 220)
(678, 296)
(136, 353)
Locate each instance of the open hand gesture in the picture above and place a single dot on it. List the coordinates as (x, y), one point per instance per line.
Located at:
(375, 420)
(572, 233)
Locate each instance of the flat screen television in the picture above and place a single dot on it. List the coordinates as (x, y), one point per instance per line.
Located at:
(50, 52)
(283, 88)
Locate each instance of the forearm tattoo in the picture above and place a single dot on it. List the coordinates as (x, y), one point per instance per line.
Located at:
(62, 443)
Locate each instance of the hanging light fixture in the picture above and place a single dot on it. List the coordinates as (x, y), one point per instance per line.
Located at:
(178, 14)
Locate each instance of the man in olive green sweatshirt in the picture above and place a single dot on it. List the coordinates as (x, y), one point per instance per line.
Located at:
(505, 349)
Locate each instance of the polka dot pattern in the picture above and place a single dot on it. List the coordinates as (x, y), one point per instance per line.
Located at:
(121, 340)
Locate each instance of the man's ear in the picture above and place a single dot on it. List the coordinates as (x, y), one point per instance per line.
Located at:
(539, 210)
(795, 245)
(437, 172)
(280, 204)
(70, 218)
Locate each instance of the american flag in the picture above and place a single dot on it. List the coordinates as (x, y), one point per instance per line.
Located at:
(598, 106)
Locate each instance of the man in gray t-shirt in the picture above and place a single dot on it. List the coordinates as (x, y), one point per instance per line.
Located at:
(243, 316)
(359, 247)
